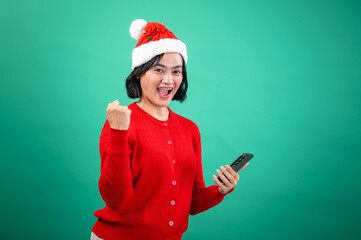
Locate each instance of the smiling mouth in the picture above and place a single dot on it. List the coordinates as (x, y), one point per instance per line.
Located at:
(164, 91)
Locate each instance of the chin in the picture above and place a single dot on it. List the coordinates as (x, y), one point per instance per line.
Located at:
(163, 103)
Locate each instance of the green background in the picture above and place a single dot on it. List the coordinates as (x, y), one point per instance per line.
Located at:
(279, 79)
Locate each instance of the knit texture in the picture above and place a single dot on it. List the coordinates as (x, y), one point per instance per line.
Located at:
(154, 32)
(151, 178)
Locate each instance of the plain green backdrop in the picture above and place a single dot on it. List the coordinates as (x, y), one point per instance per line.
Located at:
(279, 79)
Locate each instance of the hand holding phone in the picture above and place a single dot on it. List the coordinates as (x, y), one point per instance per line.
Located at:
(239, 163)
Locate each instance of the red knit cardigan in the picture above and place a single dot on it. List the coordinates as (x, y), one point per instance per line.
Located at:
(151, 178)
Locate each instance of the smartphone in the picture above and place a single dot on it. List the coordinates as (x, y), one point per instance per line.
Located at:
(239, 163)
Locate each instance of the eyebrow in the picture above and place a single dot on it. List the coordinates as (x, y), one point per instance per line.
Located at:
(161, 65)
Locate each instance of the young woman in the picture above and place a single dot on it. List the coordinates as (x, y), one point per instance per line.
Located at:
(151, 167)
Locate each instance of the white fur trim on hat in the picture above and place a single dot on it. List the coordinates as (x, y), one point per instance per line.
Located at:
(147, 51)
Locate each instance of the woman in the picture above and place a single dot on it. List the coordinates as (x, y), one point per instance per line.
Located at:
(151, 169)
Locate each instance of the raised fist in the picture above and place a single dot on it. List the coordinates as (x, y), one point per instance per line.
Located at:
(118, 116)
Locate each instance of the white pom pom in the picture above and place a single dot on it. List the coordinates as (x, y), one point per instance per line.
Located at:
(136, 28)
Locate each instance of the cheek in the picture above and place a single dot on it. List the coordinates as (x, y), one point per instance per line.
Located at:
(146, 85)
(179, 82)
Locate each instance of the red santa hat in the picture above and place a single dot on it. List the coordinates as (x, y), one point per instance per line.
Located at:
(153, 39)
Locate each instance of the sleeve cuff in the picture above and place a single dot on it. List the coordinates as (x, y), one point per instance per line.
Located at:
(217, 195)
(118, 139)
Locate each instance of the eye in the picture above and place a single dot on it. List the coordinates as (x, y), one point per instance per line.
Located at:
(177, 72)
(159, 70)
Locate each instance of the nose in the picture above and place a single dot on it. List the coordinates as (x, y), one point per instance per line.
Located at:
(168, 78)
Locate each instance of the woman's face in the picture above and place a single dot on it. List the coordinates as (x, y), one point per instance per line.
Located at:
(160, 83)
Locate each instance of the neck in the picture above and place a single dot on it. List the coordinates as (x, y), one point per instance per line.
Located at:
(160, 113)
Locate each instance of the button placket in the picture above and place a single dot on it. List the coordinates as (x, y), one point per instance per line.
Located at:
(173, 182)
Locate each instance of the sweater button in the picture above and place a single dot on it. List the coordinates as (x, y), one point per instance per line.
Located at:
(165, 124)
(172, 202)
(174, 182)
(169, 142)
(174, 161)
(171, 223)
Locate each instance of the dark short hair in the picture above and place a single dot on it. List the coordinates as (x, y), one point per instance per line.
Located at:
(132, 83)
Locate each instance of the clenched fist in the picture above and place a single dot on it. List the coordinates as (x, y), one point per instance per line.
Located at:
(118, 116)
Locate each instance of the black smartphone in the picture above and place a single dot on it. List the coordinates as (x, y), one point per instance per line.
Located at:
(239, 163)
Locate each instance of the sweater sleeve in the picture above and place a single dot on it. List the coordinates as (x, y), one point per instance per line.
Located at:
(116, 181)
(203, 198)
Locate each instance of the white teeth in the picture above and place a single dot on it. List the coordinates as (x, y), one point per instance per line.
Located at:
(165, 88)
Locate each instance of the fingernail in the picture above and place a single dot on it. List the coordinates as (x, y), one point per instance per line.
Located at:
(227, 165)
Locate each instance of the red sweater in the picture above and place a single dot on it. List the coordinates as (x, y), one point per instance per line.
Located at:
(151, 178)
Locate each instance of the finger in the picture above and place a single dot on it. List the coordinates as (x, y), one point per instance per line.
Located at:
(111, 108)
(230, 169)
(244, 166)
(116, 102)
(230, 176)
(217, 181)
(112, 104)
(122, 108)
(126, 111)
(223, 178)
(234, 173)
(221, 185)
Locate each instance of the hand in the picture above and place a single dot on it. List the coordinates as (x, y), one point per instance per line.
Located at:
(118, 116)
(229, 183)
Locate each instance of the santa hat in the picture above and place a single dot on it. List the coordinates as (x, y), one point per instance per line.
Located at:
(153, 39)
